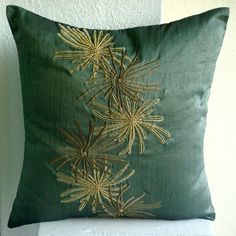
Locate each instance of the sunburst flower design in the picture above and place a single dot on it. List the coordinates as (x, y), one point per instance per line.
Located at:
(134, 207)
(131, 121)
(85, 152)
(87, 50)
(124, 79)
(94, 188)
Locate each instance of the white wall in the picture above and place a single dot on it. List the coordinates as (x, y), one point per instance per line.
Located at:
(84, 13)
(220, 139)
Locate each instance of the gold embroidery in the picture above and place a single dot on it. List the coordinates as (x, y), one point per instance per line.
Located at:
(133, 207)
(122, 80)
(127, 115)
(130, 121)
(87, 50)
(87, 152)
(94, 188)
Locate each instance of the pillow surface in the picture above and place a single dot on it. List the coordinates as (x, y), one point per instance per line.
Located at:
(114, 119)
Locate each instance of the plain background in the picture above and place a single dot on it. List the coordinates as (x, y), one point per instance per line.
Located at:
(220, 139)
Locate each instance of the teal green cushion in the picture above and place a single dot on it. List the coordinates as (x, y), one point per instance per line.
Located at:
(115, 120)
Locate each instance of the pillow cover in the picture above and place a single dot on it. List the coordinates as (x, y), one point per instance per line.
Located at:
(114, 119)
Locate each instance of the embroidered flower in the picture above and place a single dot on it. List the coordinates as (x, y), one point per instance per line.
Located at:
(87, 50)
(124, 79)
(94, 188)
(133, 207)
(85, 152)
(131, 121)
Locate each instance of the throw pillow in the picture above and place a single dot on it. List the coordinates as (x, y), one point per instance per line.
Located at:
(115, 119)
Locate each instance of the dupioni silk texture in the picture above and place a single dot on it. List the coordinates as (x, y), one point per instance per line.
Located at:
(115, 119)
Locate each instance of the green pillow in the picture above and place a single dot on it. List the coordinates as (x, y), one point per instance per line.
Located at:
(115, 119)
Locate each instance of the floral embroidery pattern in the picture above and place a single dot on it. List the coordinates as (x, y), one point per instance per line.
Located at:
(94, 188)
(88, 50)
(130, 121)
(86, 152)
(122, 80)
(87, 165)
(134, 207)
